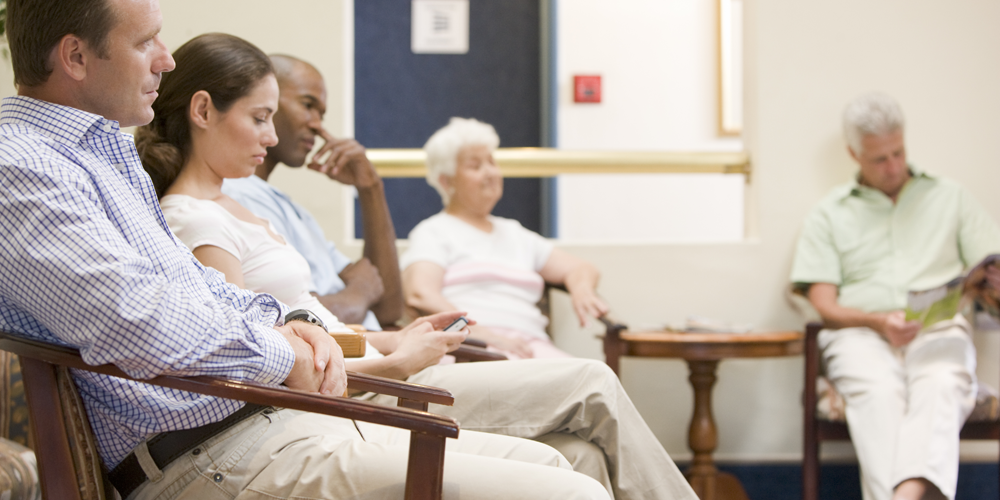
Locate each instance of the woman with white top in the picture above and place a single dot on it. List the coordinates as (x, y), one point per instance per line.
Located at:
(466, 259)
(212, 127)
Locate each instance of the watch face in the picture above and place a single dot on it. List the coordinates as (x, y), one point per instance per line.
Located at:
(305, 315)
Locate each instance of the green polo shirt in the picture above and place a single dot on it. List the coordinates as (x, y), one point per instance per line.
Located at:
(876, 251)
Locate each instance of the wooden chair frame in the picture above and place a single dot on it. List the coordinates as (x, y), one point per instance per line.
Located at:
(473, 350)
(816, 430)
(614, 346)
(40, 361)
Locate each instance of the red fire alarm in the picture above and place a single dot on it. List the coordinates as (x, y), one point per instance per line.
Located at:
(587, 88)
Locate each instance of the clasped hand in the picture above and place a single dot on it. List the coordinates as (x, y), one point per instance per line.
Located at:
(319, 362)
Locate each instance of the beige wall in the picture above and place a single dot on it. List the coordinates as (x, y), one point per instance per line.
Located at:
(804, 61)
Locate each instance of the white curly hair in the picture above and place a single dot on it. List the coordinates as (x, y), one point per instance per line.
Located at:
(443, 147)
(871, 114)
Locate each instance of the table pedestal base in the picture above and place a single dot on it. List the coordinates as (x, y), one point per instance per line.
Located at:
(719, 486)
(706, 481)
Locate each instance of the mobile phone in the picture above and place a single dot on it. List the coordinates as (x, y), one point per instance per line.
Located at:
(457, 325)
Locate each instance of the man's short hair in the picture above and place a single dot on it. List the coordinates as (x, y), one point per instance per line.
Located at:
(871, 114)
(34, 28)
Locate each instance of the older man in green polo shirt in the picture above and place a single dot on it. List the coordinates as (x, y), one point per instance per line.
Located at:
(863, 248)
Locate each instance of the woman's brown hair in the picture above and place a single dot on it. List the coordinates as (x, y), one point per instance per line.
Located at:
(225, 66)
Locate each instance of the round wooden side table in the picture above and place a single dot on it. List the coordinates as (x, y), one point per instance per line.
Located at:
(702, 352)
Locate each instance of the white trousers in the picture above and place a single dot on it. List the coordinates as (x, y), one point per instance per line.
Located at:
(293, 455)
(578, 406)
(905, 407)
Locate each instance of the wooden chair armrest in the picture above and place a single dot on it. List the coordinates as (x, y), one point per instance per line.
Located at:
(247, 391)
(466, 353)
(413, 396)
(612, 324)
(353, 344)
(469, 341)
(406, 390)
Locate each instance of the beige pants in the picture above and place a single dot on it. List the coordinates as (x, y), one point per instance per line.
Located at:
(294, 455)
(904, 407)
(578, 406)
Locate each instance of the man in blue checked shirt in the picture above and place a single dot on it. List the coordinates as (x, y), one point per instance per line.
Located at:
(88, 261)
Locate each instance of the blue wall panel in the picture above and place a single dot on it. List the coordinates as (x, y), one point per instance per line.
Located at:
(401, 98)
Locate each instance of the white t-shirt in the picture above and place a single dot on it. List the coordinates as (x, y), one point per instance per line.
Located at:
(493, 276)
(268, 266)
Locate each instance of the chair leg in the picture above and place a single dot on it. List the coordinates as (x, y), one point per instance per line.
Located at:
(810, 467)
(55, 463)
(425, 470)
(612, 348)
(810, 434)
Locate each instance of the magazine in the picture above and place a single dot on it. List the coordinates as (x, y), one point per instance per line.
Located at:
(944, 302)
(934, 305)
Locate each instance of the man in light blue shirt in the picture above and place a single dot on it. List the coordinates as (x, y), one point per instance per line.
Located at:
(368, 291)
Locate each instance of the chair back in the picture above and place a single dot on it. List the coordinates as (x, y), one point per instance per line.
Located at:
(65, 443)
(14, 421)
(71, 469)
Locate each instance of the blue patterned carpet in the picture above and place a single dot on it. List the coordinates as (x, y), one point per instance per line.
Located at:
(976, 481)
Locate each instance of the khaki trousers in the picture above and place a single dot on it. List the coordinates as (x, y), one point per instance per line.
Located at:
(905, 407)
(293, 455)
(578, 406)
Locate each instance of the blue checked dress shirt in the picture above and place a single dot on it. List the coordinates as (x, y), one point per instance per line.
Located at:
(87, 261)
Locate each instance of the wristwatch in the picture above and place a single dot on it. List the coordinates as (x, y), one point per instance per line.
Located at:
(307, 316)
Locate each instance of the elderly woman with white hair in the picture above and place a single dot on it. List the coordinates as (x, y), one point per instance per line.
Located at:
(466, 259)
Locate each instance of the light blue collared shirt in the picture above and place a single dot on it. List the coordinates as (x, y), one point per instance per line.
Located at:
(88, 261)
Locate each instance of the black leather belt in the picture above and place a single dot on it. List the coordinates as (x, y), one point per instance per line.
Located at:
(168, 446)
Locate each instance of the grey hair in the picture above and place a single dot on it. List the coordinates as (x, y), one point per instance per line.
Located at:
(871, 114)
(443, 147)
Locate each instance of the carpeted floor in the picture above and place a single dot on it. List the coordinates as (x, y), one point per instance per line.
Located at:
(976, 481)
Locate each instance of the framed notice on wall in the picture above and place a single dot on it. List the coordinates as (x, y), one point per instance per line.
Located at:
(440, 27)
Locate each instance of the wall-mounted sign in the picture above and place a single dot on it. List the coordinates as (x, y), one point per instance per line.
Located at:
(440, 27)
(587, 88)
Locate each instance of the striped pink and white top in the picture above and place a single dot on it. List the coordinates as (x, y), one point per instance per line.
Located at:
(494, 276)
